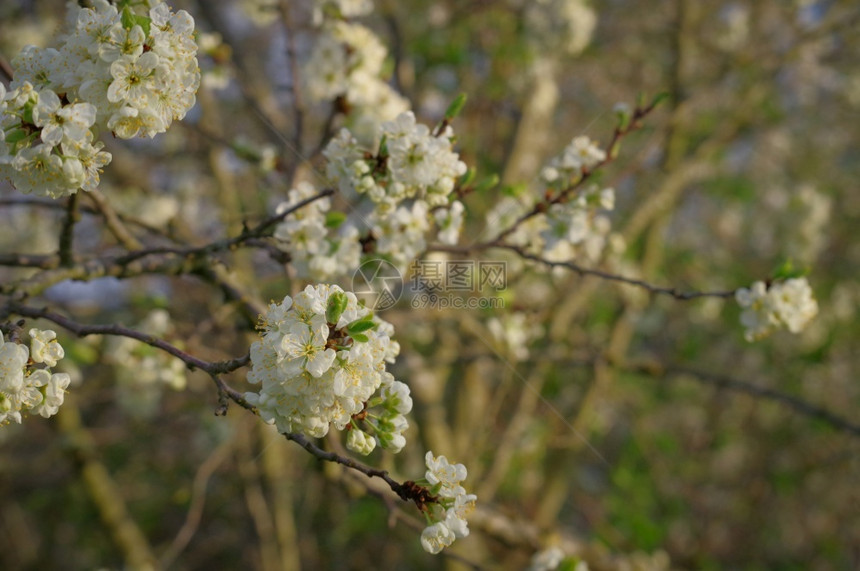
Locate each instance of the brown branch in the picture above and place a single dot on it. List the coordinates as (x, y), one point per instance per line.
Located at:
(113, 221)
(248, 234)
(44, 262)
(796, 404)
(195, 507)
(6, 70)
(67, 232)
(82, 330)
(295, 90)
(406, 491)
(47, 203)
(659, 371)
(621, 131)
(583, 271)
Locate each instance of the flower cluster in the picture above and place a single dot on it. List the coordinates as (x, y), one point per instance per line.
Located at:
(322, 247)
(788, 304)
(132, 71)
(320, 360)
(572, 229)
(24, 387)
(568, 226)
(347, 62)
(447, 515)
(47, 146)
(382, 421)
(572, 221)
(412, 162)
(581, 154)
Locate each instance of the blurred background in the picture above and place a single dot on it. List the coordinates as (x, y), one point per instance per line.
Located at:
(631, 431)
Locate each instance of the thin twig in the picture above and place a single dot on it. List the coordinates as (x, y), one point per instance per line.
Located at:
(44, 262)
(195, 507)
(794, 403)
(113, 221)
(295, 90)
(248, 234)
(634, 124)
(83, 330)
(6, 70)
(583, 271)
(47, 203)
(67, 232)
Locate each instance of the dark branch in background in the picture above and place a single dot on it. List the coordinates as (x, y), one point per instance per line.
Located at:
(67, 232)
(794, 403)
(406, 491)
(44, 262)
(210, 11)
(83, 330)
(214, 369)
(657, 370)
(583, 271)
(295, 91)
(327, 133)
(259, 231)
(6, 70)
(671, 291)
(113, 222)
(49, 204)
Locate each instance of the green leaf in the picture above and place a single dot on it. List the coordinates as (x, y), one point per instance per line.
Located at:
(360, 337)
(467, 178)
(27, 114)
(144, 23)
(659, 98)
(787, 271)
(514, 190)
(624, 114)
(337, 303)
(333, 219)
(360, 325)
(16, 135)
(127, 18)
(456, 107)
(488, 183)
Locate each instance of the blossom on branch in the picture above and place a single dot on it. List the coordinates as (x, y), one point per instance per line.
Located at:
(320, 359)
(24, 388)
(447, 514)
(788, 304)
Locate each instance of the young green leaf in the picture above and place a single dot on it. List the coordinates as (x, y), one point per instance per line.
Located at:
(337, 303)
(455, 107)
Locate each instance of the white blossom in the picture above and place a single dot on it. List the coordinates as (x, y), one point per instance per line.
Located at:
(106, 71)
(360, 442)
(314, 373)
(436, 537)
(25, 388)
(450, 222)
(788, 304)
(448, 514)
